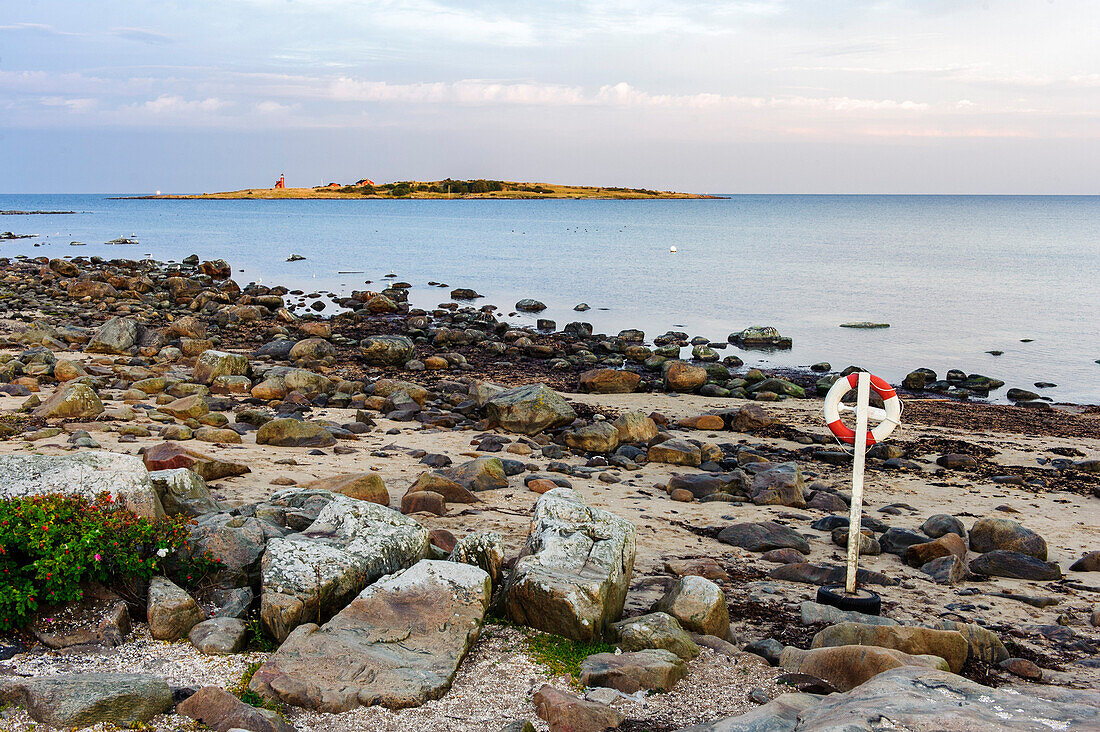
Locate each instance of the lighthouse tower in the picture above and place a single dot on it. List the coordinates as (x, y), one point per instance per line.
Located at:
(281, 183)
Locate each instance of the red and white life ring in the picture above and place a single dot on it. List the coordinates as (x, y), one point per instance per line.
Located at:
(890, 416)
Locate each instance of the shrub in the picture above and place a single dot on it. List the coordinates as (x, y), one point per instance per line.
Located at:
(50, 545)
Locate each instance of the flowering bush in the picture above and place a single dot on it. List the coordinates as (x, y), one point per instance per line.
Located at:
(50, 544)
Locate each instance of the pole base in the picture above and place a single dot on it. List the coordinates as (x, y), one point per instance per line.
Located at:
(864, 601)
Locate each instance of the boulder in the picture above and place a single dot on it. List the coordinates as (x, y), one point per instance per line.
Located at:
(218, 709)
(813, 613)
(943, 523)
(763, 536)
(821, 574)
(289, 432)
(635, 428)
(211, 364)
(311, 349)
(482, 549)
(386, 350)
(914, 640)
(1088, 563)
(846, 667)
(77, 401)
(655, 630)
(118, 336)
(989, 534)
(311, 575)
(397, 644)
(71, 701)
(219, 636)
(648, 669)
(913, 698)
(87, 473)
(528, 305)
(574, 570)
(917, 555)
(361, 486)
(984, 644)
(479, 474)
(452, 492)
(598, 437)
(423, 502)
(188, 407)
(676, 452)
(749, 418)
(760, 336)
(779, 485)
(171, 613)
(169, 455)
(238, 543)
(529, 409)
(182, 491)
(698, 604)
(1000, 563)
(566, 712)
(681, 376)
(609, 381)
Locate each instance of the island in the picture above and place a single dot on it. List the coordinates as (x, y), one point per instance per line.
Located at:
(442, 189)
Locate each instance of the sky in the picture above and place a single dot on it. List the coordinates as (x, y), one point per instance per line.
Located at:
(752, 96)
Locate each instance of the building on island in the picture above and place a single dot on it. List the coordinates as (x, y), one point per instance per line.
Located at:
(365, 182)
(334, 185)
(281, 183)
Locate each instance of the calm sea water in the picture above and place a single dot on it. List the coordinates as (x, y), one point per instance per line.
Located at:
(955, 276)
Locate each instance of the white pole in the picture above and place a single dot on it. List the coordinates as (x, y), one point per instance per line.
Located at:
(863, 396)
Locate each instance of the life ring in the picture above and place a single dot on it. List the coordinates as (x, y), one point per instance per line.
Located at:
(891, 415)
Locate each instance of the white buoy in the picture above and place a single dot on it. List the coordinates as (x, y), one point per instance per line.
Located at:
(672, 250)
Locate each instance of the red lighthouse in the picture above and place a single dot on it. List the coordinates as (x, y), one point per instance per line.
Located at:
(281, 183)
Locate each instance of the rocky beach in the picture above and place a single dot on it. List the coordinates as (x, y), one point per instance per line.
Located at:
(394, 518)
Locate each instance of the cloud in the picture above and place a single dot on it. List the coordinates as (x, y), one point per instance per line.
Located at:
(41, 28)
(143, 35)
(168, 104)
(76, 105)
(272, 107)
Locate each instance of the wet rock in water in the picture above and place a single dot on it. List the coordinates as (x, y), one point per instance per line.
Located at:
(182, 491)
(864, 324)
(759, 337)
(211, 364)
(83, 699)
(575, 568)
(479, 474)
(398, 644)
(77, 401)
(311, 575)
(846, 667)
(912, 697)
(914, 640)
(168, 455)
(1000, 563)
(288, 432)
(564, 711)
(600, 437)
(1021, 395)
(988, 534)
(118, 336)
(219, 636)
(779, 485)
(655, 630)
(386, 350)
(609, 381)
(764, 536)
(527, 305)
(216, 708)
(465, 293)
(529, 409)
(361, 486)
(171, 611)
(649, 669)
(681, 376)
(698, 604)
(86, 473)
(942, 523)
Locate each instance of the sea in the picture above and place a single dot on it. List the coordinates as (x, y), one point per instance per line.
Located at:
(954, 276)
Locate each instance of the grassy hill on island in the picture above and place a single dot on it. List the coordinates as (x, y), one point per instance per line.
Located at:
(444, 189)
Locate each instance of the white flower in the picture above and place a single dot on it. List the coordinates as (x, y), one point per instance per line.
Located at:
(162, 553)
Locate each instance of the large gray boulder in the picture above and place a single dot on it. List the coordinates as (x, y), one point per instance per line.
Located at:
(529, 409)
(574, 569)
(171, 612)
(238, 542)
(76, 401)
(308, 577)
(386, 350)
(81, 700)
(86, 474)
(916, 698)
(397, 644)
(117, 336)
(182, 491)
(211, 364)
